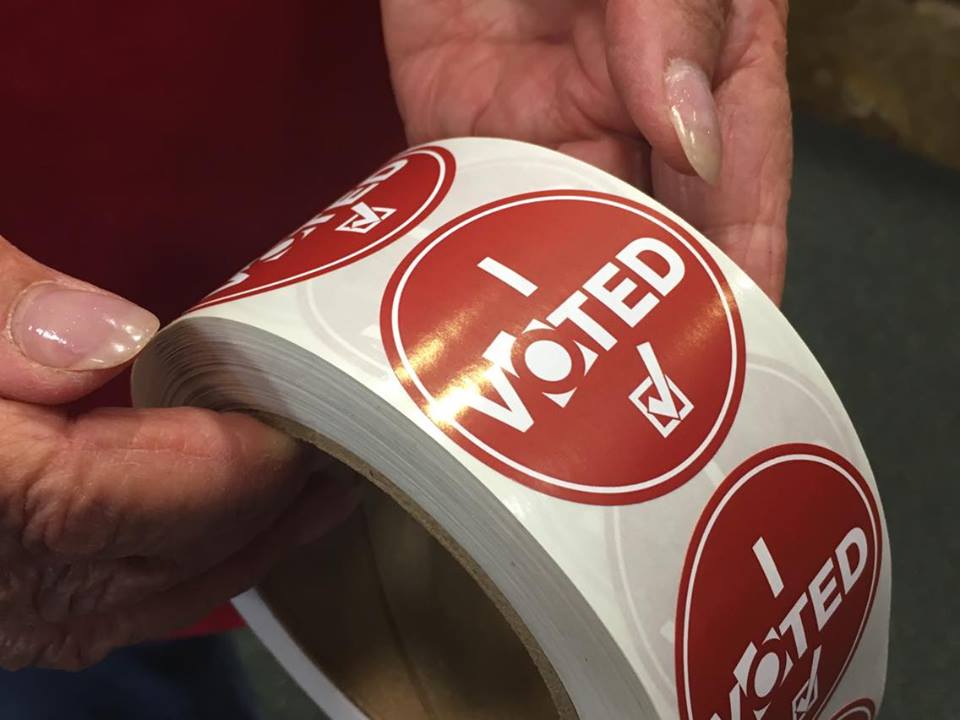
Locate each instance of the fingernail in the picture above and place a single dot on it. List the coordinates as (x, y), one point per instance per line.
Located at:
(694, 114)
(72, 329)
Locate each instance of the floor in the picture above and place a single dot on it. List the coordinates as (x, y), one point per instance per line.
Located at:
(875, 244)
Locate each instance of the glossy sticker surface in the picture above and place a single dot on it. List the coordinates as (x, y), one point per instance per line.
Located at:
(579, 343)
(377, 211)
(777, 586)
(594, 404)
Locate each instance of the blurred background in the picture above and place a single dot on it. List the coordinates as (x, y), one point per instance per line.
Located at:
(889, 68)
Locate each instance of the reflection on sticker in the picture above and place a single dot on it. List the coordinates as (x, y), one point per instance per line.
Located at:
(578, 343)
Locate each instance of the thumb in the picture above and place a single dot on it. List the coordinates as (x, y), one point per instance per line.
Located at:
(61, 338)
(662, 57)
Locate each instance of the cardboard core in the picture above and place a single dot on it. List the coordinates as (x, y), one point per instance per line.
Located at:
(403, 621)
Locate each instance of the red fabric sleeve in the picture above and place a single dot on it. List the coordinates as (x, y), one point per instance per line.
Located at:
(155, 148)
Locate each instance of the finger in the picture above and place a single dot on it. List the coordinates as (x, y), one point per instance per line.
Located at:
(60, 590)
(662, 58)
(35, 591)
(61, 338)
(81, 641)
(84, 641)
(626, 157)
(746, 213)
(328, 499)
(325, 502)
(329, 503)
(162, 483)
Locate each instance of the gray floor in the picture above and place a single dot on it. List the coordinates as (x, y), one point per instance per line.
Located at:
(875, 247)
(873, 289)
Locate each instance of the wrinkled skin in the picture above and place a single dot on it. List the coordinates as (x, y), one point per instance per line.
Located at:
(585, 77)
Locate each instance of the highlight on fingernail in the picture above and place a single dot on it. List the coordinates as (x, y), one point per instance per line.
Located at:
(693, 112)
(76, 329)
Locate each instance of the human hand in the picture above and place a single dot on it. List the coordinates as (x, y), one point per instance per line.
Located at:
(650, 90)
(123, 525)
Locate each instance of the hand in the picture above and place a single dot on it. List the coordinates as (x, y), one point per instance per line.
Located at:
(123, 525)
(651, 90)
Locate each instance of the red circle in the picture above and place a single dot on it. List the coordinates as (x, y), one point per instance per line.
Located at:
(508, 268)
(377, 211)
(789, 546)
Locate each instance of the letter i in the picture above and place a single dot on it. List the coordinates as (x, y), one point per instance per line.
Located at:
(769, 567)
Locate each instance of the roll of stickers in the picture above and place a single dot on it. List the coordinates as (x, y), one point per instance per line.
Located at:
(608, 479)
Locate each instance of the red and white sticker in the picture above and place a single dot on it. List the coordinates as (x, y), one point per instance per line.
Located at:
(859, 710)
(579, 343)
(375, 212)
(777, 586)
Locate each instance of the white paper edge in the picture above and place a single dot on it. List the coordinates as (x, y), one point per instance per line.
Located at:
(295, 662)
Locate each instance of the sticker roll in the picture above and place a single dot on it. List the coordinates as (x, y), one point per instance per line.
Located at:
(608, 479)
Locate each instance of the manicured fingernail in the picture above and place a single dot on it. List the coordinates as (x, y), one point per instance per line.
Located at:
(694, 114)
(70, 329)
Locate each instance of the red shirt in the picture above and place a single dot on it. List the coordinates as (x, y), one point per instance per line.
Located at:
(155, 148)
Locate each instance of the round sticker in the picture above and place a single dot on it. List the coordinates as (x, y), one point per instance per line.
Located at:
(579, 343)
(859, 710)
(375, 212)
(777, 586)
